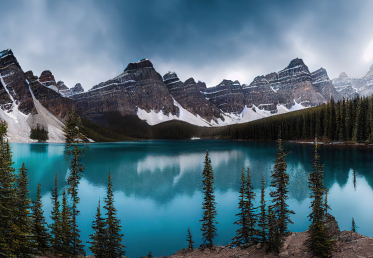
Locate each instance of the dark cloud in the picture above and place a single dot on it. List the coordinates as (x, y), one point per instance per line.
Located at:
(92, 41)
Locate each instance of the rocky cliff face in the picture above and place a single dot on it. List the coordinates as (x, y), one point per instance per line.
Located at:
(188, 94)
(58, 105)
(138, 87)
(350, 87)
(19, 108)
(228, 96)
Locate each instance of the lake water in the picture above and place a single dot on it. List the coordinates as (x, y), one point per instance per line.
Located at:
(157, 186)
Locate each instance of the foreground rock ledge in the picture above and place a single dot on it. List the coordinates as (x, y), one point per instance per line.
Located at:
(348, 245)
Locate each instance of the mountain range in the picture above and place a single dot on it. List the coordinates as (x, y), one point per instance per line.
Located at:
(27, 100)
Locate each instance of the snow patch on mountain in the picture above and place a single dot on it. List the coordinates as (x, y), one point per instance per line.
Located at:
(247, 115)
(153, 118)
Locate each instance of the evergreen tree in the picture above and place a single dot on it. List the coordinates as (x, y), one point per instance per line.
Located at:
(98, 238)
(26, 245)
(190, 241)
(150, 255)
(41, 235)
(250, 210)
(332, 120)
(242, 236)
(263, 219)
(113, 243)
(280, 182)
(208, 205)
(354, 226)
(349, 119)
(274, 235)
(326, 206)
(55, 227)
(66, 226)
(319, 241)
(75, 148)
(10, 232)
(358, 125)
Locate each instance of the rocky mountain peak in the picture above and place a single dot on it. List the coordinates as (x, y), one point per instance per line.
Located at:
(47, 76)
(295, 62)
(7, 58)
(61, 86)
(77, 88)
(343, 75)
(170, 77)
(296, 68)
(190, 80)
(143, 63)
(30, 76)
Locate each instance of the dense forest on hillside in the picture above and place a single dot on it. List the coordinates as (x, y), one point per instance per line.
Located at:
(348, 121)
(345, 120)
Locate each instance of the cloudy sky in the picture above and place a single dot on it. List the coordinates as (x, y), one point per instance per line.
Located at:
(92, 41)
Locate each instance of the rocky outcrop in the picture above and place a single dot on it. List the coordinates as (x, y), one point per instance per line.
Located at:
(77, 88)
(58, 105)
(350, 87)
(323, 85)
(61, 86)
(188, 94)
(47, 79)
(14, 92)
(139, 86)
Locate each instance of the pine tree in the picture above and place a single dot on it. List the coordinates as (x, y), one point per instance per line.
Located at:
(75, 148)
(190, 241)
(358, 125)
(250, 210)
(150, 255)
(349, 119)
(10, 233)
(39, 227)
(98, 238)
(66, 226)
(113, 243)
(208, 205)
(274, 235)
(263, 219)
(319, 241)
(280, 181)
(354, 226)
(55, 227)
(242, 236)
(326, 206)
(23, 203)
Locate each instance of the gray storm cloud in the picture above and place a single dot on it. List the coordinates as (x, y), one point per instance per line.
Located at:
(93, 41)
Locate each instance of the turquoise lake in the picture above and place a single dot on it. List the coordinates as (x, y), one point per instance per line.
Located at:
(158, 194)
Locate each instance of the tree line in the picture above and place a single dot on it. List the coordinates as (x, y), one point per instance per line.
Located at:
(344, 120)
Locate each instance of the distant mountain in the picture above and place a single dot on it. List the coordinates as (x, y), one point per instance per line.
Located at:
(350, 87)
(141, 92)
